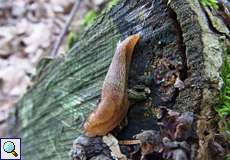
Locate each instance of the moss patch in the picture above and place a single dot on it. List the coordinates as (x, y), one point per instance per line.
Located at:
(111, 4)
(211, 3)
(72, 38)
(223, 108)
(88, 20)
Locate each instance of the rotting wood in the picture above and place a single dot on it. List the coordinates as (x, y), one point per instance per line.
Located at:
(177, 41)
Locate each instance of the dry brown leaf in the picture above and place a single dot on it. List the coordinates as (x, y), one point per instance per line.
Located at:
(15, 80)
(60, 5)
(39, 37)
(6, 36)
(112, 142)
(18, 8)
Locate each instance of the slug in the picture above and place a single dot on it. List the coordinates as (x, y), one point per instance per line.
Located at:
(114, 104)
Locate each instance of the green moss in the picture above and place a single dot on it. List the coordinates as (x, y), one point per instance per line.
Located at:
(91, 15)
(210, 3)
(227, 158)
(89, 18)
(111, 4)
(150, 112)
(72, 38)
(223, 108)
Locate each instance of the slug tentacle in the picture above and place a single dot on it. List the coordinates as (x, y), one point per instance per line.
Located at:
(114, 104)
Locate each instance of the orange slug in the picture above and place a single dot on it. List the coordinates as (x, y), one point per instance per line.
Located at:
(114, 104)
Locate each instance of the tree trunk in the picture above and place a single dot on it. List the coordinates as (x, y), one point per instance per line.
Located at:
(182, 34)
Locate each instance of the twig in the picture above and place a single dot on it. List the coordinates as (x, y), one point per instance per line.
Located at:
(58, 43)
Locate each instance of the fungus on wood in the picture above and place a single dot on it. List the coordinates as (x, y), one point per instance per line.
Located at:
(179, 40)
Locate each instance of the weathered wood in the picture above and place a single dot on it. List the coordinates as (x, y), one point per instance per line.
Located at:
(66, 89)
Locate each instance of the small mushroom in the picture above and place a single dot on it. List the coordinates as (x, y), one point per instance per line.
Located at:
(85, 147)
(150, 142)
(179, 84)
(175, 150)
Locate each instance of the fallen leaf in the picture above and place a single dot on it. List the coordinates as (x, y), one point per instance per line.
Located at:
(60, 5)
(18, 8)
(6, 36)
(112, 142)
(39, 37)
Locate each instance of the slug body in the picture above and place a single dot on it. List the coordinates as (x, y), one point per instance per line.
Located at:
(114, 103)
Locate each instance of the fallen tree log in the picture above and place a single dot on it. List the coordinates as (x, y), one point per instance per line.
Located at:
(180, 39)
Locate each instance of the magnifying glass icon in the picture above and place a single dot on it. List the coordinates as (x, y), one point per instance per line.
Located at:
(9, 147)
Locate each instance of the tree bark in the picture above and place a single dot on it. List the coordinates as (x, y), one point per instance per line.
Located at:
(185, 36)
